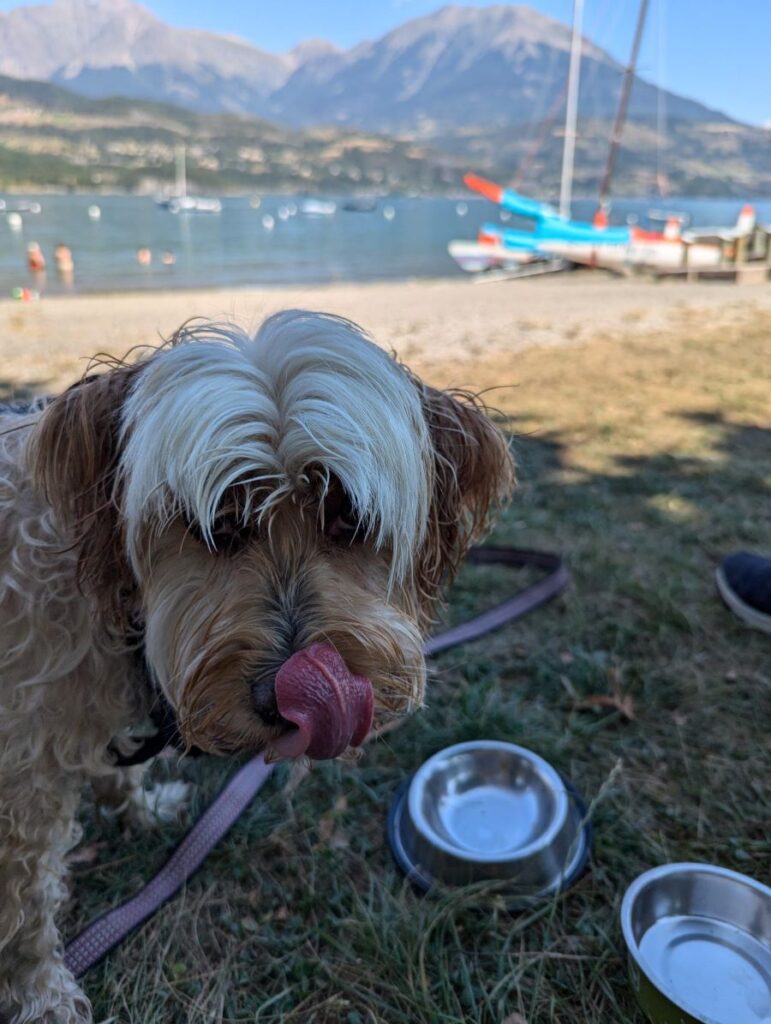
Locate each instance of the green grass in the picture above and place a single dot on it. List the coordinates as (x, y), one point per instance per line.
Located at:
(643, 462)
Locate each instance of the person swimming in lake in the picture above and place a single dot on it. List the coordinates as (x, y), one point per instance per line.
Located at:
(65, 264)
(36, 261)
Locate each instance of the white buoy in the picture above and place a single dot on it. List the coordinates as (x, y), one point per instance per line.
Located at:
(389, 212)
(283, 213)
(461, 209)
(94, 212)
(14, 221)
(292, 209)
(268, 222)
(255, 202)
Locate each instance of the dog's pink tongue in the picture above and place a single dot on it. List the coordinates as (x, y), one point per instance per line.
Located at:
(331, 707)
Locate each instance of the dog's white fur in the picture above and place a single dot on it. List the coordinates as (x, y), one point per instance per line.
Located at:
(294, 397)
(351, 488)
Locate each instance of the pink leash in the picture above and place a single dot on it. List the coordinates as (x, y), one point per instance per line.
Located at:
(99, 937)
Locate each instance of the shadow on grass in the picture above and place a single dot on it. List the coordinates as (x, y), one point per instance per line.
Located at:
(669, 490)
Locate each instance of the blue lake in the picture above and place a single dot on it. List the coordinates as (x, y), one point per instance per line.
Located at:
(402, 238)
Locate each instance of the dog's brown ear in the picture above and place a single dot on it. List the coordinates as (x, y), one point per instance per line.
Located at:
(74, 453)
(473, 475)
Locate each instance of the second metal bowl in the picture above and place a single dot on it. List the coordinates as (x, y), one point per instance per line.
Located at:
(699, 942)
(488, 810)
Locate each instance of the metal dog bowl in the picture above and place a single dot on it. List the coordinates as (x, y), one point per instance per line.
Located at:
(489, 811)
(699, 942)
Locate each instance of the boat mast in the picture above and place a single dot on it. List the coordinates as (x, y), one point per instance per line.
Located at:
(626, 90)
(571, 113)
(181, 171)
(661, 105)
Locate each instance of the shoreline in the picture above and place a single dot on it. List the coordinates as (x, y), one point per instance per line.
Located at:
(166, 288)
(460, 193)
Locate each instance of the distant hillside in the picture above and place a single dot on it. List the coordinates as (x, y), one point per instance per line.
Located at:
(50, 137)
(690, 159)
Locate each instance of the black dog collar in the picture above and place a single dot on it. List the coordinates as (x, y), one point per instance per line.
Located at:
(166, 735)
(162, 716)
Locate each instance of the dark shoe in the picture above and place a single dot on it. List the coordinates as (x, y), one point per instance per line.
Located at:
(744, 582)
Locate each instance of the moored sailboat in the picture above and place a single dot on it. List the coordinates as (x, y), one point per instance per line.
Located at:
(179, 201)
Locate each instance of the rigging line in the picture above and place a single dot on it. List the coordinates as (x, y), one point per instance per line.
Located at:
(531, 135)
(661, 101)
(609, 18)
(535, 146)
(541, 124)
(626, 89)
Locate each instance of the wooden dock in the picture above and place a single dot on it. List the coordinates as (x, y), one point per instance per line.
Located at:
(738, 273)
(744, 260)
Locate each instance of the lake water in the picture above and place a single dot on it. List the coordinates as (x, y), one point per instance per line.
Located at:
(402, 238)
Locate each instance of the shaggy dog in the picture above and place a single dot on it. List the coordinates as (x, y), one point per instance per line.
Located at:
(178, 528)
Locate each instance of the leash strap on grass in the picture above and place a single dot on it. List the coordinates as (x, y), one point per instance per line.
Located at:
(107, 931)
(99, 937)
(515, 607)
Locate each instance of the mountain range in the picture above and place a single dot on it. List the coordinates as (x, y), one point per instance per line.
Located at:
(460, 65)
(482, 85)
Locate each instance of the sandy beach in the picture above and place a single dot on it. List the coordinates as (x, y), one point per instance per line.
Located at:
(451, 331)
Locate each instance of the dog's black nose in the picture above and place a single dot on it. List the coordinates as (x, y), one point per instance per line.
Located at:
(264, 701)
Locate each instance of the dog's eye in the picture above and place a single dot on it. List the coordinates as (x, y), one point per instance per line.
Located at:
(344, 528)
(341, 522)
(228, 533)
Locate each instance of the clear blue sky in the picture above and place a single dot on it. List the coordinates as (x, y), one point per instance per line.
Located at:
(716, 51)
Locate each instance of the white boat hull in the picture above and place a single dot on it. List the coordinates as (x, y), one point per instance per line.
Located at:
(318, 208)
(191, 204)
(645, 255)
(478, 257)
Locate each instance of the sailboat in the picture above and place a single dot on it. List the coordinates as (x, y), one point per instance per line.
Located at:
(621, 249)
(180, 201)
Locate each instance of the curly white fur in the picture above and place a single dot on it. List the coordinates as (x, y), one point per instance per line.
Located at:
(234, 409)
